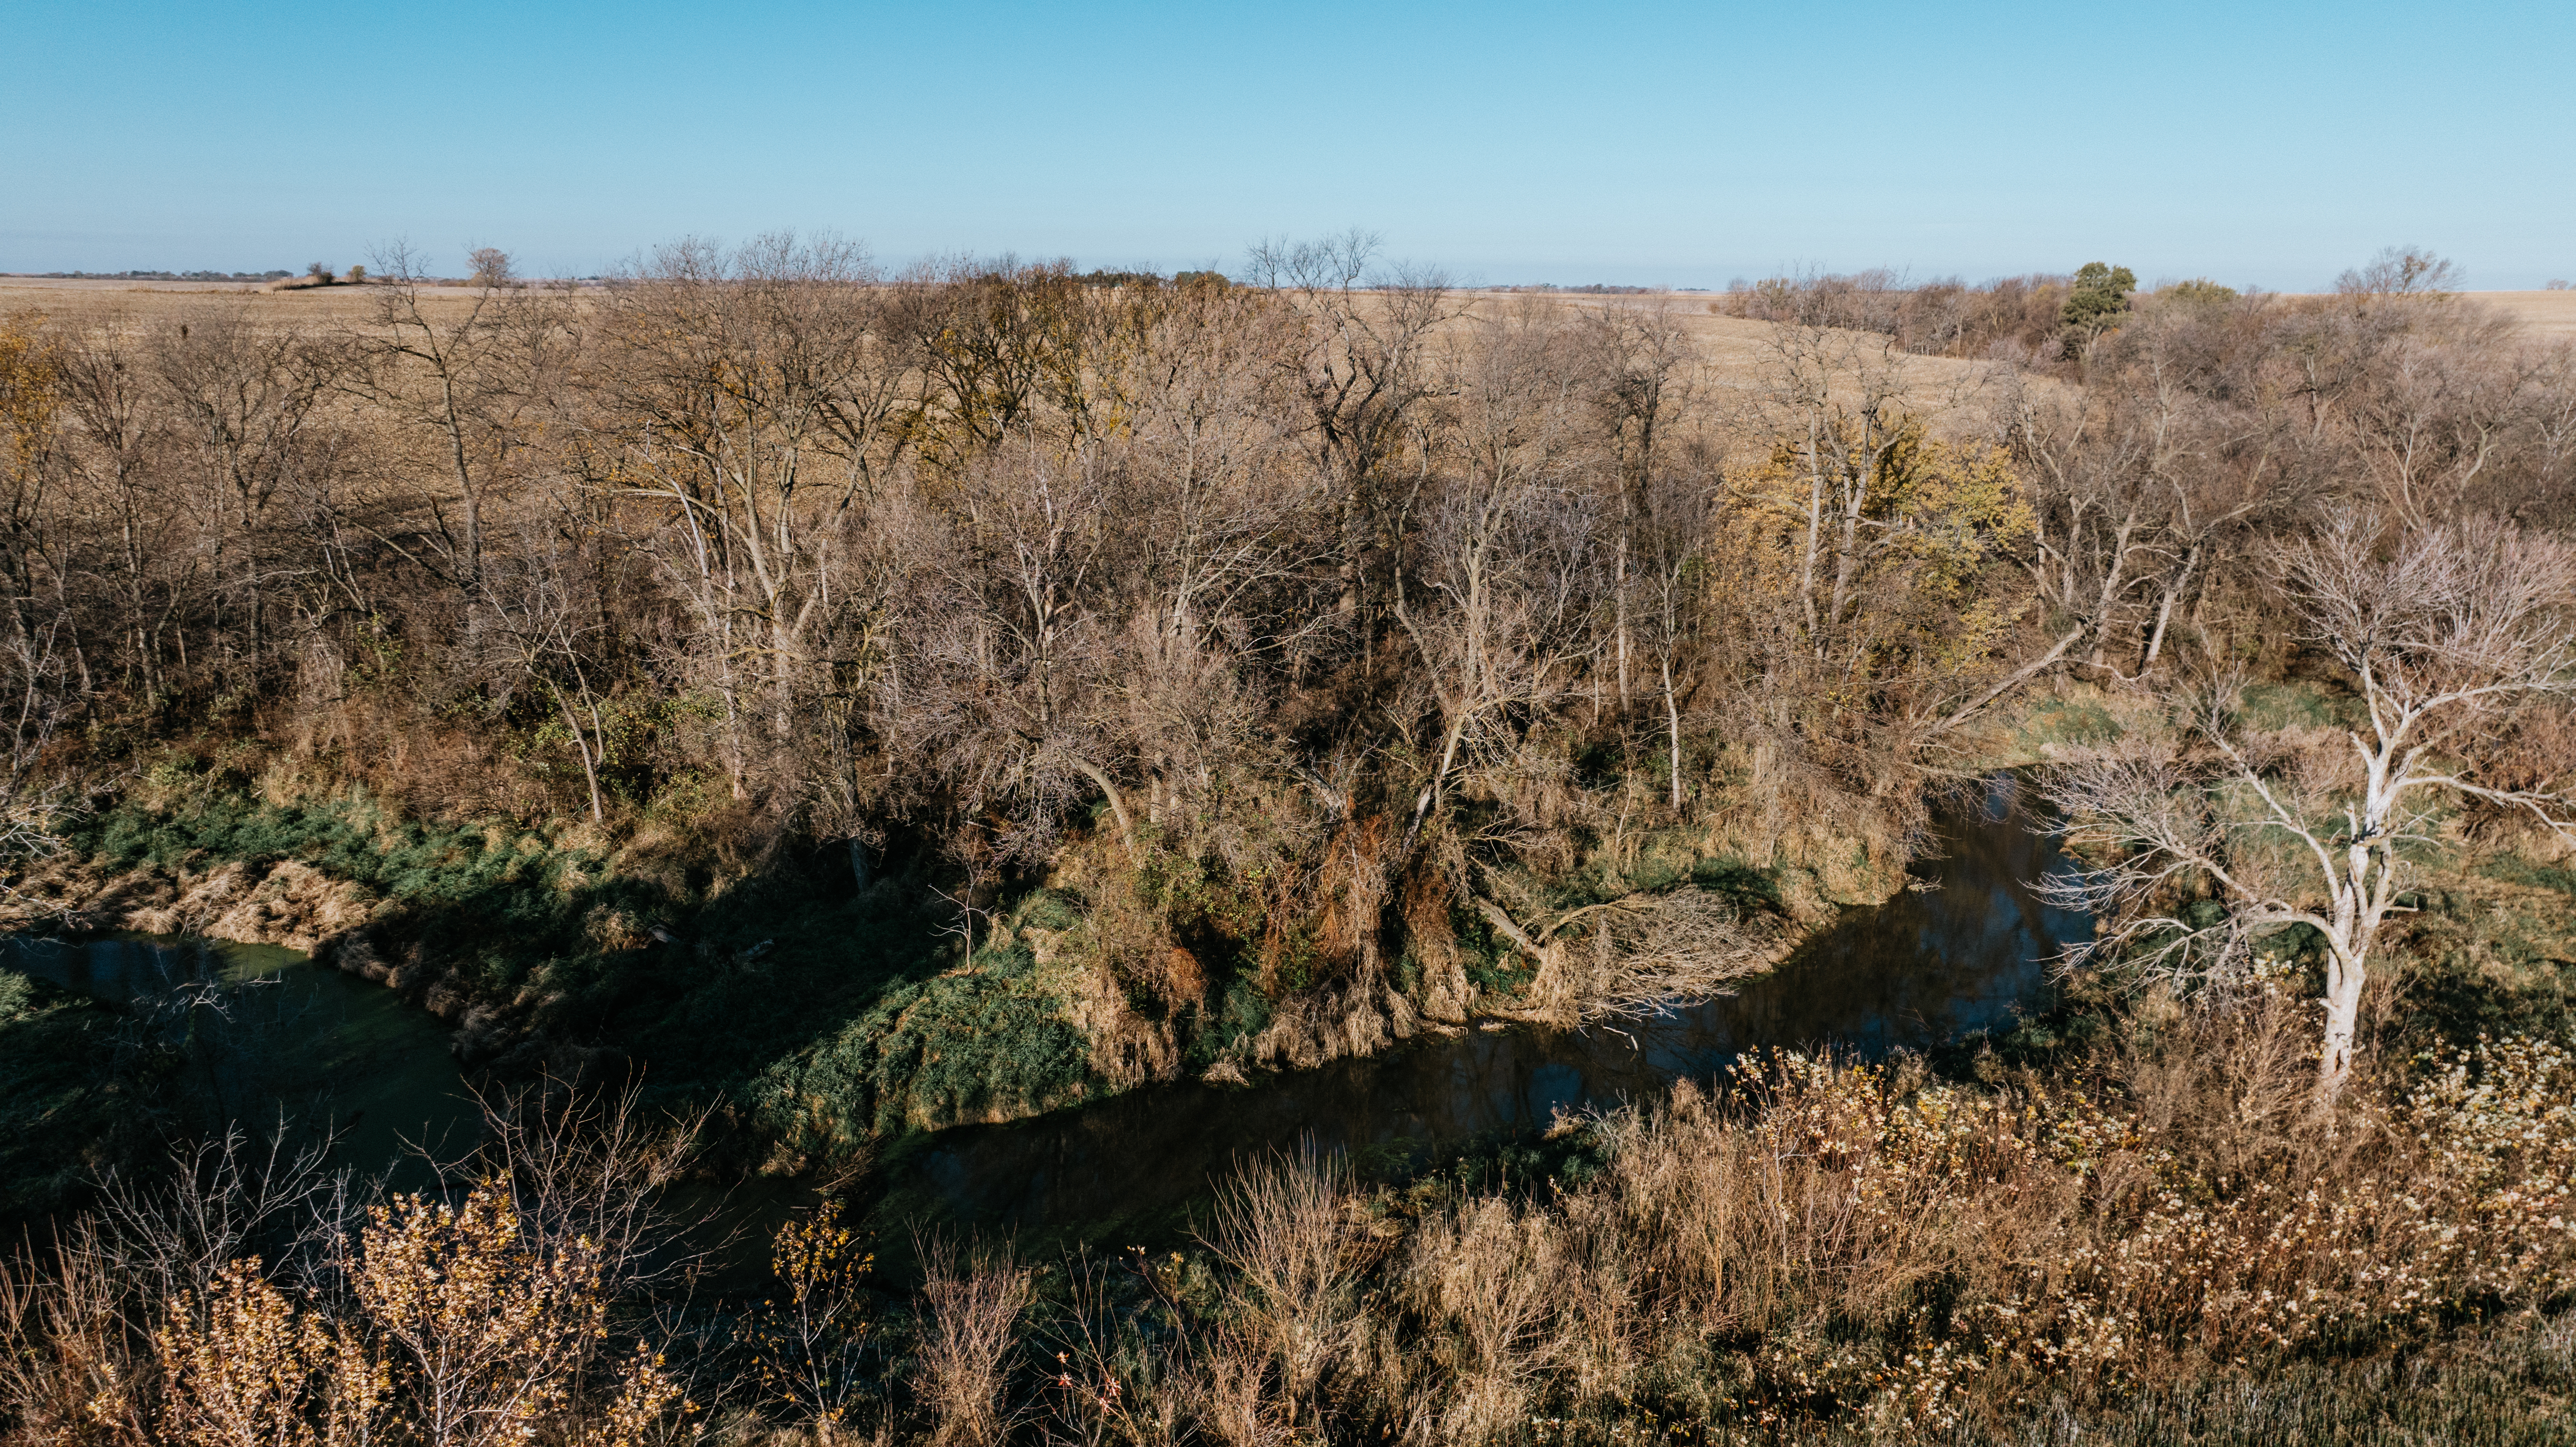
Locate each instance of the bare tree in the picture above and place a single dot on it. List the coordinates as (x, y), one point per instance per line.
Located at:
(1014, 684)
(2442, 637)
(1501, 617)
(41, 636)
(546, 635)
(477, 381)
(1299, 1257)
(247, 399)
(1366, 369)
(751, 405)
(1675, 514)
(967, 1342)
(1647, 359)
(115, 452)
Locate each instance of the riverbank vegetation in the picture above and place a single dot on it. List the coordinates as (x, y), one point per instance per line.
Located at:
(864, 704)
(1159, 676)
(2164, 1234)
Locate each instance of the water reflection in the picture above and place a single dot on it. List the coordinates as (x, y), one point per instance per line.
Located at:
(263, 1028)
(1957, 953)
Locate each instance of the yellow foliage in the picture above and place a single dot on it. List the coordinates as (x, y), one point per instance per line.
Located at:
(805, 1350)
(247, 1369)
(490, 1332)
(1856, 569)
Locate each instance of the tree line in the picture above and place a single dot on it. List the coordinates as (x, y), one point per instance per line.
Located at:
(1331, 579)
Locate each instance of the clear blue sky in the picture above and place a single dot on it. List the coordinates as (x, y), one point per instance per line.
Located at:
(2272, 144)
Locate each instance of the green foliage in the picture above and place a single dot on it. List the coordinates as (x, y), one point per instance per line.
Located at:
(2199, 291)
(2099, 297)
(1243, 1011)
(2296, 705)
(925, 1054)
(780, 976)
(2483, 960)
(1423, 1176)
(2067, 721)
(494, 901)
(1493, 963)
(1052, 909)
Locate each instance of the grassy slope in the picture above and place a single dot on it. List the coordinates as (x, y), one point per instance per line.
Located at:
(543, 945)
(817, 1020)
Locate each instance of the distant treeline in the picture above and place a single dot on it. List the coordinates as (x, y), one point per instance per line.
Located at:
(159, 275)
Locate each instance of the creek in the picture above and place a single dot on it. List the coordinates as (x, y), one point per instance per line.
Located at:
(1959, 950)
(262, 1028)
(1964, 945)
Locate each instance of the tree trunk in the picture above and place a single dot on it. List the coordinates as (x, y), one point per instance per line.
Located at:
(1117, 803)
(2343, 1018)
(581, 742)
(2165, 607)
(1673, 727)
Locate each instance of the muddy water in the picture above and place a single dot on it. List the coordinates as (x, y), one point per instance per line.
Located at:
(1955, 953)
(263, 1028)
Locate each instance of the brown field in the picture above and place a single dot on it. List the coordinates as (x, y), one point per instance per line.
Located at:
(1734, 348)
(2547, 314)
(90, 302)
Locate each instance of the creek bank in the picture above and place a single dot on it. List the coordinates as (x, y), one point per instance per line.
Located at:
(815, 1020)
(286, 904)
(1963, 949)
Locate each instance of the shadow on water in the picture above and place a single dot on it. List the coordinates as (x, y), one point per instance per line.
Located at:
(1957, 952)
(262, 1028)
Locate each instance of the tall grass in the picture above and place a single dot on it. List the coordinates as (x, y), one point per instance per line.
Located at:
(2166, 1239)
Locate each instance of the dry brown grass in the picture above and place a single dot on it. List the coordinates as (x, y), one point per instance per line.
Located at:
(142, 303)
(1823, 1241)
(1857, 1240)
(970, 1331)
(2548, 315)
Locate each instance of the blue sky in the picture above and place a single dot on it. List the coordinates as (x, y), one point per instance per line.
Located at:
(2266, 144)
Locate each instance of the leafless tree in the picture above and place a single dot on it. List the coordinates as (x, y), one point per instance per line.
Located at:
(116, 452)
(969, 1336)
(1367, 366)
(1298, 1256)
(547, 639)
(247, 400)
(1507, 550)
(2442, 636)
(1013, 686)
(1675, 514)
(750, 403)
(479, 382)
(1648, 362)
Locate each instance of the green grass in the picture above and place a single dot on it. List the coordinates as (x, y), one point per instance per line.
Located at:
(790, 1001)
(2298, 704)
